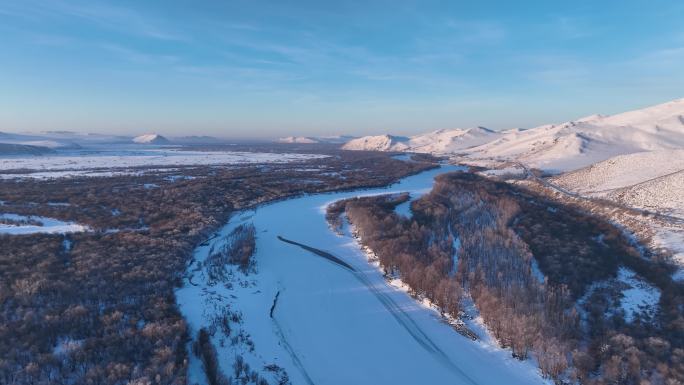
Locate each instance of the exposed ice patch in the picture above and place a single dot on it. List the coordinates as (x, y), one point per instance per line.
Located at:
(404, 209)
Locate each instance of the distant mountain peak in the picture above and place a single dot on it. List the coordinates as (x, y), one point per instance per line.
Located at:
(151, 139)
(439, 141)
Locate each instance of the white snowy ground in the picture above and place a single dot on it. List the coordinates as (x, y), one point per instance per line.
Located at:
(635, 294)
(48, 225)
(639, 296)
(332, 325)
(105, 163)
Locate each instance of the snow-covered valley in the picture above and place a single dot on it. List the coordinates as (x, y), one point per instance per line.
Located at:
(310, 320)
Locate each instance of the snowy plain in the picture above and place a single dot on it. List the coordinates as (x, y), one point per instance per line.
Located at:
(331, 325)
(124, 160)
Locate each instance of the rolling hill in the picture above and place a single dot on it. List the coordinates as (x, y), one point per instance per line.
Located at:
(554, 147)
(438, 142)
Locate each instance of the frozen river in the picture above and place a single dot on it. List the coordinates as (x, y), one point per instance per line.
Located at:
(333, 324)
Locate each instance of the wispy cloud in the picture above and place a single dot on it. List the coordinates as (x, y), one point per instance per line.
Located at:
(114, 18)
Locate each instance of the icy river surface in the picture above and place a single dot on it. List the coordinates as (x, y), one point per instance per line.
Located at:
(329, 324)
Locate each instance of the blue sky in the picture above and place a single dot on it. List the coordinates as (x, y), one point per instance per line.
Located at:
(271, 68)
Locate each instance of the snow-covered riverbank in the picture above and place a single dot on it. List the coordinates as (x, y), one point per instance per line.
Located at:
(330, 325)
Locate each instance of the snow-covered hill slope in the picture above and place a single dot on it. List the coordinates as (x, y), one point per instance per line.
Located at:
(622, 171)
(337, 139)
(663, 194)
(436, 142)
(378, 143)
(150, 139)
(554, 147)
(579, 143)
(450, 141)
(652, 180)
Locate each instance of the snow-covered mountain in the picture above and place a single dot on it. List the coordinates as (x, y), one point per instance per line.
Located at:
(622, 171)
(454, 140)
(439, 142)
(337, 139)
(662, 194)
(378, 143)
(650, 180)
(553, 147)
(576, 144)
(151, 139)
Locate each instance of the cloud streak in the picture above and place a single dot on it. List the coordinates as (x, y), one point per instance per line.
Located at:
(102, 15)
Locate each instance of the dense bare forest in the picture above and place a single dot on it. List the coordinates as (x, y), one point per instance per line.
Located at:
(98, 307)
(475, 238)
